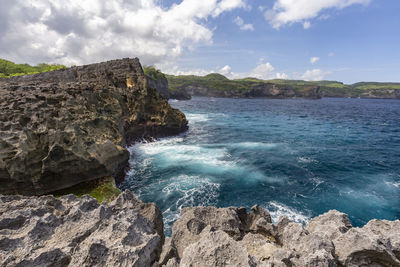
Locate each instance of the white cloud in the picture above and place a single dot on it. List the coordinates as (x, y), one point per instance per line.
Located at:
(290, 11)
(225, 5)
(314, 60)
(225, 70)
(306, 25)
(331, 54)
(239, 22)
(282, 76)
(261, 71)
(76, 31)
(314, 75)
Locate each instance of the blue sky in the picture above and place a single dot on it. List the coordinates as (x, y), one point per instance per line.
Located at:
(357, 43)
(345, 40)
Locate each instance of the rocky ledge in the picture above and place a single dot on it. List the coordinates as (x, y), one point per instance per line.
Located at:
(71, 231)
(65, 127)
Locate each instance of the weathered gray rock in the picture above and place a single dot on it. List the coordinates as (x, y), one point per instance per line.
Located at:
(61, 128)
(233, 221)
(71, 231)
(216, 248)
(327, 240)
(375, 244)
(186, 230)
(332, 223)
(168, 252)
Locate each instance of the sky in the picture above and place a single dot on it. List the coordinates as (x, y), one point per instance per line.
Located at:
(344, 40)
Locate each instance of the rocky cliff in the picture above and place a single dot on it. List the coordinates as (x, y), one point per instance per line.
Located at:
(260, 90)
(71, 231)
(64, 127)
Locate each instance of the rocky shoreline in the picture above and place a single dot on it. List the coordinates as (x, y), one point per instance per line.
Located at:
(71, 231)
(62, 128)
(65, 127)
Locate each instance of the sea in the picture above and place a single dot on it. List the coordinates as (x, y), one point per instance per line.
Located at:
(295, 157)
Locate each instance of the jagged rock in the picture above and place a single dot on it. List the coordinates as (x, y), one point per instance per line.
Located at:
(39, 231)
(65, 127)
(216, 248)
(71, 231)
(375, 244)
(332, 223)
(186, 230)
(259, 247)
(172, 263)
(233, 221)
(168, 252)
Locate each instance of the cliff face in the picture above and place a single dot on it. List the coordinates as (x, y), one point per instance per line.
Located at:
(71, 231)
(69, 126)
(372, 93)
(261, 90)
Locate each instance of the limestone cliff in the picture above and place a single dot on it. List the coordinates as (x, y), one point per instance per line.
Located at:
(64, 127)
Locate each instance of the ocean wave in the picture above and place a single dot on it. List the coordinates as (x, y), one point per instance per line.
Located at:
(200, 159)
(306, 160)
(254, 145)
(277, 209)
(193, 117)
(187, 191)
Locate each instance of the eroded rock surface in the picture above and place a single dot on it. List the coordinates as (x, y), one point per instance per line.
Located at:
(71, 231)
(209, 236)
(61, 128)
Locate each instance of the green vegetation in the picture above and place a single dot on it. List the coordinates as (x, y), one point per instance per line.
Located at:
(10, 69)
(219, 82)
(103, 190)
(213, 81)
(154, 73)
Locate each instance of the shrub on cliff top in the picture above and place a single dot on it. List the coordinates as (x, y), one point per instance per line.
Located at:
(10, 69)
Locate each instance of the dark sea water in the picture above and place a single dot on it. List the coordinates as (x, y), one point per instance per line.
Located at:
(296, 157)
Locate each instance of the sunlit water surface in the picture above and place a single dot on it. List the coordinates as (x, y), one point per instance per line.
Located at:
(295, 157)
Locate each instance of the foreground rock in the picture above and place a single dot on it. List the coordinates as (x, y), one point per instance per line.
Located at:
(71, 231)
(65, 127)
(208, 236)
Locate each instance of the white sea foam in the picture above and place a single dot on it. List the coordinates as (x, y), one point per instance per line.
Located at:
(278, 209)
(190, 191)
(200, 159)
(394, 184)
(193, 117)
(255, 145)
(306, 160)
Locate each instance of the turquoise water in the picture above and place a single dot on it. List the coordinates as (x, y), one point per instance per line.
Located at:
(295, 157)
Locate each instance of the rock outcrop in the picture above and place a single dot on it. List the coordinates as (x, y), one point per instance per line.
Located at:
(209, 236)
(65, 127)
(258, 90)
(71, 231)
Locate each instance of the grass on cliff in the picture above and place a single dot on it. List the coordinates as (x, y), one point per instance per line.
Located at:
(154, 73)
(10, 69)
(103, 190)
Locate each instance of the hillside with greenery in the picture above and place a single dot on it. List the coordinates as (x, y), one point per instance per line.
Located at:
(10, 69)
(216, 81)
